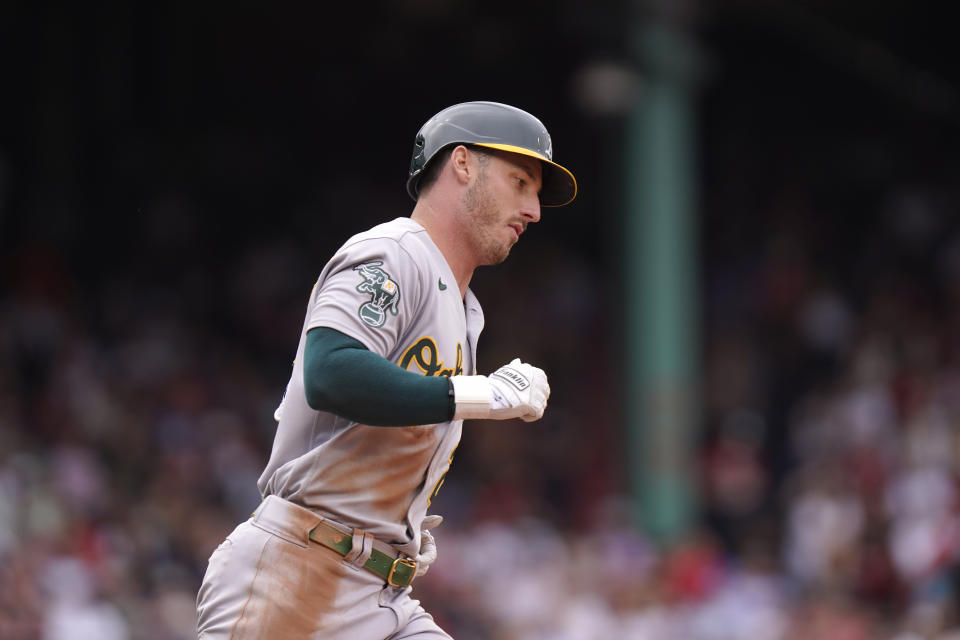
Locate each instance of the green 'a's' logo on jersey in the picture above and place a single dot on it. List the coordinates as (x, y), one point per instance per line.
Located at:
(425, 356)
(384, 293)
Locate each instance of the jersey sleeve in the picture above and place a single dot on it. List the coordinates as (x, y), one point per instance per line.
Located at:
(370, 291)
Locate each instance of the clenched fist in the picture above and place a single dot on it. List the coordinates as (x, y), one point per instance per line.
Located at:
(515, 390)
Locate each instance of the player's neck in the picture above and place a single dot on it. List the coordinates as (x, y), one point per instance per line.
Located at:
(449, 241)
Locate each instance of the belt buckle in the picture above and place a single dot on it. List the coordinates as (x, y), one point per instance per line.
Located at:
(411, 564)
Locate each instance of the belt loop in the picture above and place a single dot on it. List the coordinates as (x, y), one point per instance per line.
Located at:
(261, 506)
(361, 550)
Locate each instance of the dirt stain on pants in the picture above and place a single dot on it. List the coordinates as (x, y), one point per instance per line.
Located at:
(268, 581)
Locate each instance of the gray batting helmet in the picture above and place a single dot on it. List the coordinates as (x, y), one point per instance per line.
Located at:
(496, 126)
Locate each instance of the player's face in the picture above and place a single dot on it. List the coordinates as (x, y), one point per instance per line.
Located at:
(500, 204)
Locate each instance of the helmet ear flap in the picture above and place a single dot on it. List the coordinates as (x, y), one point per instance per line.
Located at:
(417, 164)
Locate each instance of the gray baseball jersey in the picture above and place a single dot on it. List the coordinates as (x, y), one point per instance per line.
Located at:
(391, 289)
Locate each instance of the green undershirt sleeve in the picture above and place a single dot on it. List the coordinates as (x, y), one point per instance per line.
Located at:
(342, 376)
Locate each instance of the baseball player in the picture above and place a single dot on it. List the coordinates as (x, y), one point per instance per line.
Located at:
(384, 375)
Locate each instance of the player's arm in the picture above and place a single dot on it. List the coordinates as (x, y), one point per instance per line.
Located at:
(342, 376)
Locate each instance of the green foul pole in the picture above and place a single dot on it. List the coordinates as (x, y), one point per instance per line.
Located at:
(660, 256)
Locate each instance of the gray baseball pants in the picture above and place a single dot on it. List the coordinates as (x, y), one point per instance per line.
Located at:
(268, 580)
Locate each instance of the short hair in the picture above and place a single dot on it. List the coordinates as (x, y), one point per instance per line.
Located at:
(431, 172)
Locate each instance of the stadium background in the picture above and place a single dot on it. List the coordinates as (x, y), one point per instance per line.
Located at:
(173, 177)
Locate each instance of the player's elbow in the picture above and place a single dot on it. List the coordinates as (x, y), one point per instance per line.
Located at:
(320, 390)
(335, 372)
(323, 368)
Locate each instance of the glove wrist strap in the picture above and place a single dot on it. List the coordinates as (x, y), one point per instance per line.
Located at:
(472, 397)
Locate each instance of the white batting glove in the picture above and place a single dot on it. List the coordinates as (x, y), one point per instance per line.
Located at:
(515, 390)
(428, 546)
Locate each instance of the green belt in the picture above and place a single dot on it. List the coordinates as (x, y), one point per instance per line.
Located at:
(398, 572)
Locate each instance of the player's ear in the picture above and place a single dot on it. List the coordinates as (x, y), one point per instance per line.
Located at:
(460, 162)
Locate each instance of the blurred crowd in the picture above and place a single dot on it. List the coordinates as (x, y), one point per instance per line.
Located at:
(136, 416)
